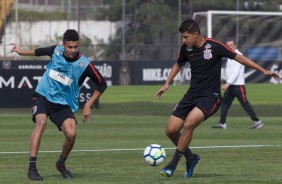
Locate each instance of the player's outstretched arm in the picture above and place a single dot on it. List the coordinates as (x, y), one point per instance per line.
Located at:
(175, 69)
(17, 49)
(248, 62)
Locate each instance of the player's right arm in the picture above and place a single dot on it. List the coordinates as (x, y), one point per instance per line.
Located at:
(17, 49)
(174, 71)
(181, 60)
(46, 51)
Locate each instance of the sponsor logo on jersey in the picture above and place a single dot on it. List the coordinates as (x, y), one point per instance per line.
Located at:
(60, 77)
(208, 46)
(189, 49)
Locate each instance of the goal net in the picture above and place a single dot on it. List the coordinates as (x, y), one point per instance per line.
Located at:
(258, 34)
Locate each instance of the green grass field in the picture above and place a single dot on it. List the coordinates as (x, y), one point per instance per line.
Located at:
(110, 148)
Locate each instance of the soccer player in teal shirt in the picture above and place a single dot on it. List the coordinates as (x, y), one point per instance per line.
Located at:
(56, 96)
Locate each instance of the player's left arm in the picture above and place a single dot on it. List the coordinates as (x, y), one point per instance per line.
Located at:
(86, 115)
(101, 86)
(225, 51)
(248, 62)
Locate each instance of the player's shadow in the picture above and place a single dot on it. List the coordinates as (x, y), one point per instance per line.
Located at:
(56, 176)
(195, 176)
(205, 175)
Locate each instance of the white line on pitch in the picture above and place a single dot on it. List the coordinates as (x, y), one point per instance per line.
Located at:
(137, 149)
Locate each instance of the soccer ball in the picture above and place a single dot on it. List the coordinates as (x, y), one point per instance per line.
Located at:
(154, 154)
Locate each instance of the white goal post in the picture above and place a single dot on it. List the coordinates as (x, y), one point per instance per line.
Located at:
(210, 13)
(257, 33)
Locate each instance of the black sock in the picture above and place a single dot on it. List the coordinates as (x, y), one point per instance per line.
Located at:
(189, 155)
(32, 163)
(62, 159)
(177, 156)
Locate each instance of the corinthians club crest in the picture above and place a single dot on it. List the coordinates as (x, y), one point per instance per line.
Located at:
(207, 52)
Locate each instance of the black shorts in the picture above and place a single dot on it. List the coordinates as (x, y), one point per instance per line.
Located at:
(57, 113)
(208, 104)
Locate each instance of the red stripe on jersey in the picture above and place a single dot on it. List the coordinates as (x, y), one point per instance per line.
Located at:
(243, 94)
(222, 45)
(95, 72)
(78, 55)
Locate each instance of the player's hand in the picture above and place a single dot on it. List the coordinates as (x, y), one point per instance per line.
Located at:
(86, 114)
(14, 47)
(272, 74)
(161, 91)
(225, 86)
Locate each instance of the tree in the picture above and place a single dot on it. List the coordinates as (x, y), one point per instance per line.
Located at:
(149, 26)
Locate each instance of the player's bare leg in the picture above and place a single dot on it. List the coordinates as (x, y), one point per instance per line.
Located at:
(173, 129)
(194, 118)
(35, 139)
(69, 130)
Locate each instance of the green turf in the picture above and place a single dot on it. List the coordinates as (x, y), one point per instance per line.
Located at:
(218, 165)
(125, 122)
(257, 93)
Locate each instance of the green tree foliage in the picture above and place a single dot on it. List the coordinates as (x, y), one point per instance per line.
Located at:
(151, 25)
(34, 16)
(244, 5)
(147, 22)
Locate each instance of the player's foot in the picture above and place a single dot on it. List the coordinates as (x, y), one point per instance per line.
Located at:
(34, 175)
(190, 167)
(63, 170)
(220, 125)
(256, 124)
(167, 171)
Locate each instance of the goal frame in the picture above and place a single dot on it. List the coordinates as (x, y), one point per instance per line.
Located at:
(210, 13)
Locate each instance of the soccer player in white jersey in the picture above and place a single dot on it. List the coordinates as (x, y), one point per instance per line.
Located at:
(235, 87)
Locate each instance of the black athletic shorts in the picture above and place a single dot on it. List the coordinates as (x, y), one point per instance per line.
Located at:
(208, 104)
(57, 113)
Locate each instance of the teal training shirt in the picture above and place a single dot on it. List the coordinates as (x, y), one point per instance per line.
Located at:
(59, 84)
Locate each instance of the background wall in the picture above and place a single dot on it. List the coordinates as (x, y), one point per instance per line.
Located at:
(18, 79)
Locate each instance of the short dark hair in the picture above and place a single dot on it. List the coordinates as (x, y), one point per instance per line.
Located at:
(70, 35)
(231, 39)
(190, 26)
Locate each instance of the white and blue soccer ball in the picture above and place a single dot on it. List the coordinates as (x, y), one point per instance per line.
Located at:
(154, 154)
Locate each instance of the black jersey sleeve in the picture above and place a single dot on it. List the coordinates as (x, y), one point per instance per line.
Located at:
(224, 51)
(46, 51)
(182, 59)
(95, 76)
